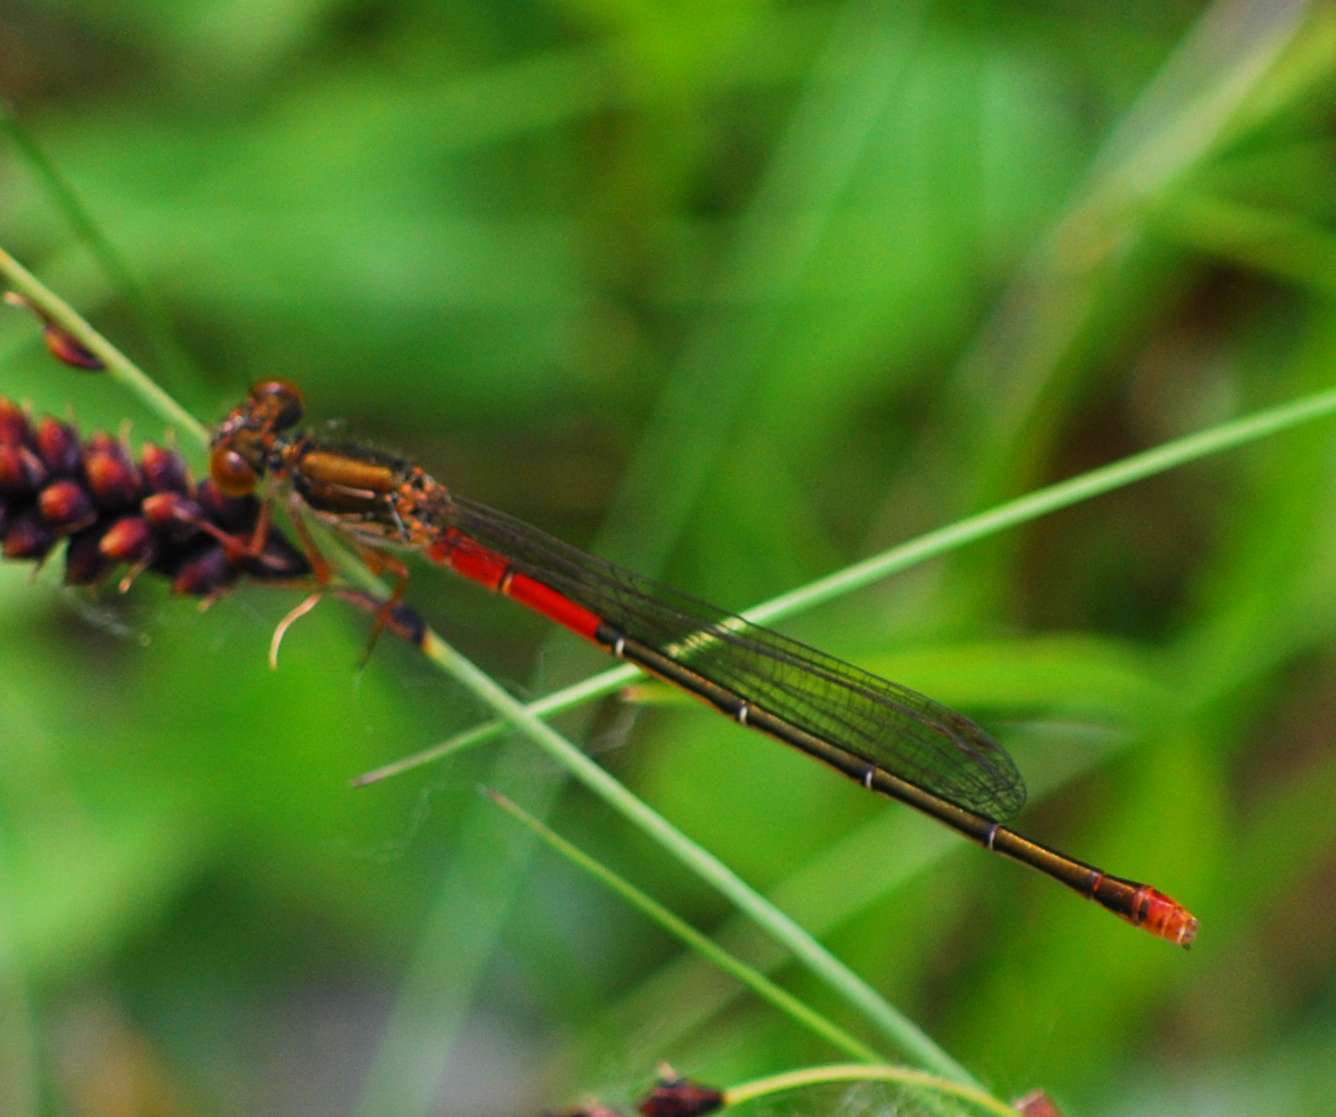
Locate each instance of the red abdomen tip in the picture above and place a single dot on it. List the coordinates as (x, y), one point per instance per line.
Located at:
(1166, 917)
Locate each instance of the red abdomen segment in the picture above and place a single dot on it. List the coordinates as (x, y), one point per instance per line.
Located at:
(1146, 907)
(477, 563)
(1166, 917)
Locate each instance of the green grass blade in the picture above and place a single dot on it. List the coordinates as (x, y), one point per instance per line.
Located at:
(780, 998)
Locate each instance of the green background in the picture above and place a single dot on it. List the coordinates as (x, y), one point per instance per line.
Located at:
(735, 294)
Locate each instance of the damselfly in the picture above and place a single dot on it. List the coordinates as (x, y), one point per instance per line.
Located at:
(885, 736)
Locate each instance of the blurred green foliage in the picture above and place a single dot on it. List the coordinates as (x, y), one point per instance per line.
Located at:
(736, 294)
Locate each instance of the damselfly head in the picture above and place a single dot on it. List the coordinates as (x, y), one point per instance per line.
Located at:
(245, 444)
(280, 402)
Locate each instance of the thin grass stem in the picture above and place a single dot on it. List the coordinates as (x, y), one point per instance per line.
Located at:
(119, 367)
(768, 990)
(838, 1073)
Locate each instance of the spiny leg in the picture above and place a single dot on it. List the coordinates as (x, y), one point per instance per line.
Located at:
(320, 571)
(238, 548)
(378, 562)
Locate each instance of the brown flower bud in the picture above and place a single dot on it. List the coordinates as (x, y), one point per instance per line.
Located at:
(14, 428)
(21, 471)
(164, 470)
(205, 573)
(65, 505)
(58, 446)
(27, 537)
(84, 561)
(111, 479)
(129, 539)
(678, 1097)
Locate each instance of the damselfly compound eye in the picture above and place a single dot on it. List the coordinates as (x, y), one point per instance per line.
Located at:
(231, 472)
(280, 402)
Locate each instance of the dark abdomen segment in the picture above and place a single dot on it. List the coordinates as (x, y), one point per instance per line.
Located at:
(1139, 904)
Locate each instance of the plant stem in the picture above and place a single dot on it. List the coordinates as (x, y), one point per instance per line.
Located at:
(119, 366)
(862, 1072)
